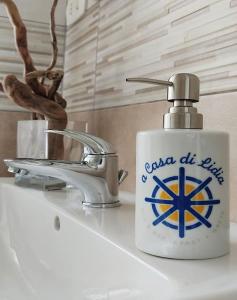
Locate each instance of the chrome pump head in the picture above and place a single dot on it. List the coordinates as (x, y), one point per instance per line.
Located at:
(183, 90)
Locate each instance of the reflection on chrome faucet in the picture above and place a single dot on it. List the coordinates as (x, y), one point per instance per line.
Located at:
(96, 174)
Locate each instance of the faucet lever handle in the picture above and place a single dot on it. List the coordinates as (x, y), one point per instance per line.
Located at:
(95, 145)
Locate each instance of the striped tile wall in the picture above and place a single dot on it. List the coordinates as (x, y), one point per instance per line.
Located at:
(80, 61)
(40, 48)
(122, 38)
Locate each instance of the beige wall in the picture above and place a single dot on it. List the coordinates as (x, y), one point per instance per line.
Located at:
(8, 128)
(120, 125)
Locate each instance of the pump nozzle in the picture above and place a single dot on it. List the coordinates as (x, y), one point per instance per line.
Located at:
(149, 80)
(183, 90)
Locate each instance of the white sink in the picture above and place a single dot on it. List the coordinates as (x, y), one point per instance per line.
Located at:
(92, 255)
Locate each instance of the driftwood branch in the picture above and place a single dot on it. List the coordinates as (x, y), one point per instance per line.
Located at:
(60, 100)
(54, 41)
(41, 99)
(53, 36)
(20, 34)
(22, 94)
(51, 75)
(56, 76)
(1, 87)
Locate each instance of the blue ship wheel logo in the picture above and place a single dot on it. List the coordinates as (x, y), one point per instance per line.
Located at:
(182, 202)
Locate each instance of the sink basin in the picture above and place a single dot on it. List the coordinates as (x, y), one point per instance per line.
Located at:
(53, 248)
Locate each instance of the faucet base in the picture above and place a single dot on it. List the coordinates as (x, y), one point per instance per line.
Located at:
(101, 205)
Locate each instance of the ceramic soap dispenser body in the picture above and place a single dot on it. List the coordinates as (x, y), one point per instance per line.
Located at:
(182, 184)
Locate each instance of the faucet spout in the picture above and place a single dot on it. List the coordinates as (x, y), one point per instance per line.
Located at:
(98, 184)
(96, 175)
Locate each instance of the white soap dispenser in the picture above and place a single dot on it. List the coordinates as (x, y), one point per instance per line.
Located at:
(182, 184)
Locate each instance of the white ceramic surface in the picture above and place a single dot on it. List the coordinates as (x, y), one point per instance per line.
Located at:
(92, 256)
(182, 193)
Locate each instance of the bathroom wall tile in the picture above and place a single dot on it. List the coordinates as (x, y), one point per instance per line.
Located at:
(149, 38)
(91, 3)
(120, 125)
(40, 49)
(8, 129)
(158, 38)
(80, 61)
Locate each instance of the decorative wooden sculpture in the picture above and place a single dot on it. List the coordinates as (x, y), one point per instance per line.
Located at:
(39, 92)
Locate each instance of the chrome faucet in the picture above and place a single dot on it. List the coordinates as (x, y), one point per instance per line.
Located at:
(96, 174)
